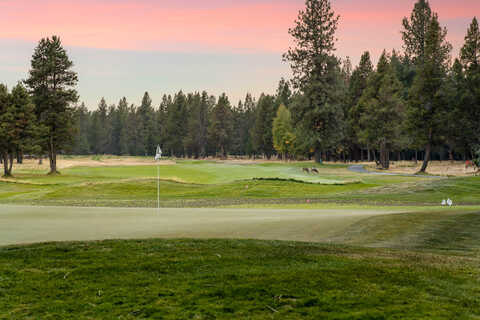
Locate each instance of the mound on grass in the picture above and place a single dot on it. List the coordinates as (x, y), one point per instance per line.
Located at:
(229, 279)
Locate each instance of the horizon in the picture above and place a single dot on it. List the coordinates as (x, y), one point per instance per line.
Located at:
(127, 48)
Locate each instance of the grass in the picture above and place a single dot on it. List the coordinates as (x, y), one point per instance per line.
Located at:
(226, 279)
(211, 184)
(380, 248)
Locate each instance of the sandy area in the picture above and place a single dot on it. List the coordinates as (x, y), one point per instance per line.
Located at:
(443, 168)
(108, 161)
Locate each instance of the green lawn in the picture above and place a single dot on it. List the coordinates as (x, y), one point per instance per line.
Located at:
(380, 248)
(203, 183)
(233, 279)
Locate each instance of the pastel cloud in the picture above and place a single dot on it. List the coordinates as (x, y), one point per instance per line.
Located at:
(124, 47)
(149, 25)
(210, 25)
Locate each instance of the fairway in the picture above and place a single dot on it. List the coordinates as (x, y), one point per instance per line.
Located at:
(226, 183)
(24, 224)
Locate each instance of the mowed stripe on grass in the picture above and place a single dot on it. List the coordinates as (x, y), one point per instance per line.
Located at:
(28, 224)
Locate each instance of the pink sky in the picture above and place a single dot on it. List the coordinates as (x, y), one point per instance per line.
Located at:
(227, 29)
(216, 25)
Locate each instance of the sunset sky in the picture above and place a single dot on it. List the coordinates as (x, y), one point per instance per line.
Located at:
(125, 47)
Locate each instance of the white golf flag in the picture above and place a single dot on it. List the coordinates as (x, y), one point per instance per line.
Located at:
(158, 154)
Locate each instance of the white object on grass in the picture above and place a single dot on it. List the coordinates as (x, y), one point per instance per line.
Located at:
(449, 202)
(444, 202)
(158, 156)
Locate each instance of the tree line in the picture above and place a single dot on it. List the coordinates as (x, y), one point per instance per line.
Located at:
(414, 104)
(194, 125)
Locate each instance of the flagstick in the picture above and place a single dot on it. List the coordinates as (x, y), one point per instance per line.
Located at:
(158, 187)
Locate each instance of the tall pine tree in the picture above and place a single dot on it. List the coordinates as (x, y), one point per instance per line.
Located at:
(316, 73)
(52, 83)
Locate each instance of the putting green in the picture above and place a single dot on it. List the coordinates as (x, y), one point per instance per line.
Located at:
(27, 224)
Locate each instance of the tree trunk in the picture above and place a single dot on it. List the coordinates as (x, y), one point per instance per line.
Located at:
(426, 159)
(384, 155)
(19, 156)
(52, 156)
(368, 152)
(450, 156)
(318, 156)
(10, 165)
(6, 173)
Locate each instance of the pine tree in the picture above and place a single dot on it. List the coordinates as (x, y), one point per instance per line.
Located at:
(470, 56)
(196, 137)
(17, 124)
(52, 83)
(262, 131)
(99, 129)
(415, 31)
(81, 145)
(175, 126)
(383, 106)
(354, 111)
(132, 130)
(316, 73)
(221, 125)
(6, 131)
(284, 93)
(237, 140)
(120, 128)
(470, 52)
(425, 106)
(146, 127)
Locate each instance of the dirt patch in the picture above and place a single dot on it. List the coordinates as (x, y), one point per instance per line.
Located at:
(108, 161)
(438, 168)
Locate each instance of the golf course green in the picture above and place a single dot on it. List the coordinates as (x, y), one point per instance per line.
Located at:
(237, 241)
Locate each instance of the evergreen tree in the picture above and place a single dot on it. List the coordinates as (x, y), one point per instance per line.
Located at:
(262, 131)
(238, 121)
(120, 127)
(470, 56)
(316, 73)
(470, 52)
(99, 129)
(162, 118)
(175, 126)
(52, 84)
(132, 130)
(249, 106)
(146, 127)
(383, 109)
(354, 111)
(425, 102)
(17, 124)
(196, 136)
(415, 30)
(221, 126)
(6, 130)
(284, 93)
(81, 144)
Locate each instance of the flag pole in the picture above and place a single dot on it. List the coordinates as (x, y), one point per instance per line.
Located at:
(158, 187)
(158, 157)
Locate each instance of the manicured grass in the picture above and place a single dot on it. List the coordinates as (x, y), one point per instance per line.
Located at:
(201, 183)
(448, 231)
(232, 279)
(212, 184)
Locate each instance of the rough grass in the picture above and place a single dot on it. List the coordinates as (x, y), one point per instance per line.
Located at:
(227, 279)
